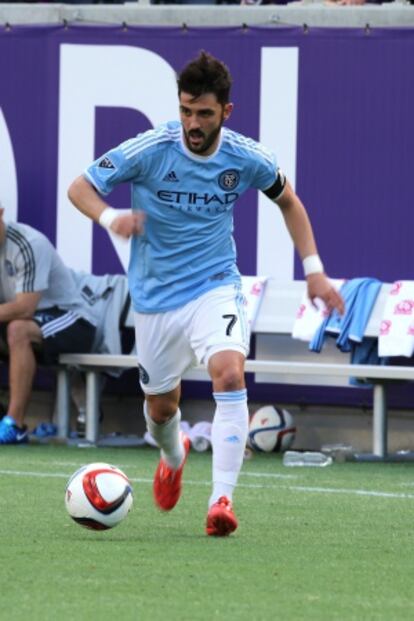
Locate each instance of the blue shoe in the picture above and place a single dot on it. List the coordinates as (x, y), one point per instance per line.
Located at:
(10, 433)
(44, 430)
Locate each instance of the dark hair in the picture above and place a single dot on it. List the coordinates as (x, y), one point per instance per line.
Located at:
(205, 74)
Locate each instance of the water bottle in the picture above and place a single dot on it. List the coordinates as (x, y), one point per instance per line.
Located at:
(339, 452)
(306, 458)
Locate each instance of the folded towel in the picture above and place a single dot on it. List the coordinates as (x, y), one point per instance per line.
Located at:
(200, 436)
(253, 288)
(310, 316)
(359, 295)
(396, 336)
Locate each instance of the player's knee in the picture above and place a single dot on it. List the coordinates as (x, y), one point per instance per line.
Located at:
(17, 333)
(228, 378)
(161, 409)
(227, 371)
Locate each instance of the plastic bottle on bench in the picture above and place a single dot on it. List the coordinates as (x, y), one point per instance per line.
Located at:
(306, 458)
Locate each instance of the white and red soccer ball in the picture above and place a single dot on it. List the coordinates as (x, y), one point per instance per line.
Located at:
(98, 496)
(271, 430)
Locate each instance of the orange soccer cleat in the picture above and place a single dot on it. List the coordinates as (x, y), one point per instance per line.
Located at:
(167, 482)
(221, 520)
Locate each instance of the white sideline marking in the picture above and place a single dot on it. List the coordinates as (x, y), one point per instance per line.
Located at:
(296, 488)
(270, 475)
(357, 492)
(260, 475)
(55, 475)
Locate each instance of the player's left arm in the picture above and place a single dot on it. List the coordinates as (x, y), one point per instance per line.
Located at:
(22, 307)
(300, 229)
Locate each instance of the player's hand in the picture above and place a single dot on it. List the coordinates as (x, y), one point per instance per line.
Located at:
(319, 286)
(129, 224)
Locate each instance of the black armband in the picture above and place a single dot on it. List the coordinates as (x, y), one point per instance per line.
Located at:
(277, 188)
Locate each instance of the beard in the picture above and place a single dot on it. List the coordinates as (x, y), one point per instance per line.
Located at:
(207, 139)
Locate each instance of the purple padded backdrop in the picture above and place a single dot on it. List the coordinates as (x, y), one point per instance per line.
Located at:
(355, 138)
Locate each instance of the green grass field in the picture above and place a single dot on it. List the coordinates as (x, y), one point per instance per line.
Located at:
(313, 543)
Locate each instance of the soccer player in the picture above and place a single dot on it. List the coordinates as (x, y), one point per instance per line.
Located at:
(185, 286)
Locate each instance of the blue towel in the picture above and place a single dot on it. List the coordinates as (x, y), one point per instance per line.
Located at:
(366, 352)
(359, 296)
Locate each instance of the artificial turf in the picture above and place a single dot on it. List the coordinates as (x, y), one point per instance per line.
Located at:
(313, 543)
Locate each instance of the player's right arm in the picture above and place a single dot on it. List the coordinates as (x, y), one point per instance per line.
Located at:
(85, 198)
(128, 162)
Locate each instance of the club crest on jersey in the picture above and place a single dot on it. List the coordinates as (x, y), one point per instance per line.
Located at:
(229, 179)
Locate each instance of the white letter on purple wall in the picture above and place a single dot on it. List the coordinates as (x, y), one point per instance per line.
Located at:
(101, 75)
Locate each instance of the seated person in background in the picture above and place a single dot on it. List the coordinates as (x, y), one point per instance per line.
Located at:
(47, 309)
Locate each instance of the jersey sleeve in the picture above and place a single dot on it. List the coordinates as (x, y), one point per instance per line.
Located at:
(126, 162)
(32, 267)
(266, 169)
(113, 167)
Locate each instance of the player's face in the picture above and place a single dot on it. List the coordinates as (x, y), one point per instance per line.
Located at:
(202, 119)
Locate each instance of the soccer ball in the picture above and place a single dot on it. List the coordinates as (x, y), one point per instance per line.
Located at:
(271, 430)
(98, 496)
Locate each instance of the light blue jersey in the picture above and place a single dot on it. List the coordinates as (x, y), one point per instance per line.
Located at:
(187, 247)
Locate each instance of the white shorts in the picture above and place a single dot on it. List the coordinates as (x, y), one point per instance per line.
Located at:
(169, 343)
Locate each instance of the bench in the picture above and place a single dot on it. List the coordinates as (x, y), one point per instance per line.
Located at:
(279, 359)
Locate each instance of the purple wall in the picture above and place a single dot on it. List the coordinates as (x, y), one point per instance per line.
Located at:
(355, 135)
(355, 131)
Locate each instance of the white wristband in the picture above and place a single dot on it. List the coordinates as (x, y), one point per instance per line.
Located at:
(312, 265)
(107, 217)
